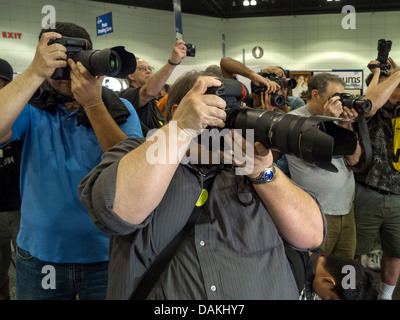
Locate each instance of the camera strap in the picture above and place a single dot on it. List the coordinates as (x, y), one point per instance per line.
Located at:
(154, 271)
(365, 142)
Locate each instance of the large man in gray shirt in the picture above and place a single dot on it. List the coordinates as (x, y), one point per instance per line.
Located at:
(334, 190)
(236, 248)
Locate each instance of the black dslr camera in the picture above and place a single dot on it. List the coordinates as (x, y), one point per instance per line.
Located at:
(384, 47)
(314, 139)
(113, 62)
(277, 99)
(190, 50)
(359, 104)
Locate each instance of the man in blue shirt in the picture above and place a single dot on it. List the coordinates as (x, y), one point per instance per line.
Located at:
(66, 126)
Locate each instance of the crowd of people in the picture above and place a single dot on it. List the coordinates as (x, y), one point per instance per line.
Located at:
(83, 192)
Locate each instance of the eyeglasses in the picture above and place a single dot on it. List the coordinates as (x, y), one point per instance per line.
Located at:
(144, 68)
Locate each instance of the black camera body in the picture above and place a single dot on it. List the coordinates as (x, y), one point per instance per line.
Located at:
(384, 47)
(190, 50)
(113, 62)
(359, 104)
(314, 139)
(277, 99)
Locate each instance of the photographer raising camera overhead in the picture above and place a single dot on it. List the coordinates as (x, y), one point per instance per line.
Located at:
(66, 126)
(144, 86)
(377, 202)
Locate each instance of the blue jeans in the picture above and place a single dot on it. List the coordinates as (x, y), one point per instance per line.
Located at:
(39, 280)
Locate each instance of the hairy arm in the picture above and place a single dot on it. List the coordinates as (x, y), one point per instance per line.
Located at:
(17, 93)
(380, 93)
(230, 67)
(87, 90)
(295, 213)
(154, 85)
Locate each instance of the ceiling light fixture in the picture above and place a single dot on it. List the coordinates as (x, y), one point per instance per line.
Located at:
(246, 3)
(253, 2)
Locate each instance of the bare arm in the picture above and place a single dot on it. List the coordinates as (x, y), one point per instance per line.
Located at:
(294, 212)
(154, 85)
(87, 90)
(381, 93)
(17, 93)
(230, 67)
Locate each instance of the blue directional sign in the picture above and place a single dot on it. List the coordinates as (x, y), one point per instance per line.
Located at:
(104, 24)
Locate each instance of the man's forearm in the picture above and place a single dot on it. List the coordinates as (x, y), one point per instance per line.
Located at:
(13, 98)
(141, 184)
(155, 84)
(294, 212)
(381, 93)
(108, 133)
(229, 67)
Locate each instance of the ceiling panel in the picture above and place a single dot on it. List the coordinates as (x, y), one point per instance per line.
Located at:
(228, 9)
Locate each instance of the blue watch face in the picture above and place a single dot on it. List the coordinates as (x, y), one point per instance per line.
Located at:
(268, 174)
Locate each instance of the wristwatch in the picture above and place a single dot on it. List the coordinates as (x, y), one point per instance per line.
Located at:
(266, 176)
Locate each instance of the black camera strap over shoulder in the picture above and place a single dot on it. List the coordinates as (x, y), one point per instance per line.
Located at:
(365, 141)
(154, 271)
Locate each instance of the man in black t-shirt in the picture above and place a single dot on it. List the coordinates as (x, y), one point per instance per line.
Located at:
(10, 199)
(144, 86)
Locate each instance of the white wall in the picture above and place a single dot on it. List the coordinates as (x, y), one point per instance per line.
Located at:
(297, 43)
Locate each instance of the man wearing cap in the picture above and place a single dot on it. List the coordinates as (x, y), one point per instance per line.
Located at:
(10, 200)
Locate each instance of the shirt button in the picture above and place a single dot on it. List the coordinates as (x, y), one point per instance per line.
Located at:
(213, 288)
(202, 243)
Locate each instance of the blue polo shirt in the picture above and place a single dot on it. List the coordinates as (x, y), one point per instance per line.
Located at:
(57, 155)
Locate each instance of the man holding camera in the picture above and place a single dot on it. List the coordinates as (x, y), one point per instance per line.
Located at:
(144, 86)
(66, 126)
(235, 250)
(333, 190)
(377, 202)
(10, 199)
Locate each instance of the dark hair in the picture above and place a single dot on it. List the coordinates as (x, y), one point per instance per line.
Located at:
(69, 29)
(166, 87)
(321, 81)
(363, 290)
(284, 71)
(180, 87)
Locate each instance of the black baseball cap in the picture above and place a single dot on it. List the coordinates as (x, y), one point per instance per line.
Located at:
(6, 71)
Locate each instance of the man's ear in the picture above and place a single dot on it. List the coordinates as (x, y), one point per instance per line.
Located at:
(329, 279)
(315, 94)
(173, 109)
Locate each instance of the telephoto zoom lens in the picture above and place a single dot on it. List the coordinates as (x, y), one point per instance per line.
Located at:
(113, 62)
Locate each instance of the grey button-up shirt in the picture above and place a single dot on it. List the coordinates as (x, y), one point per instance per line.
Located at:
(234, 251)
